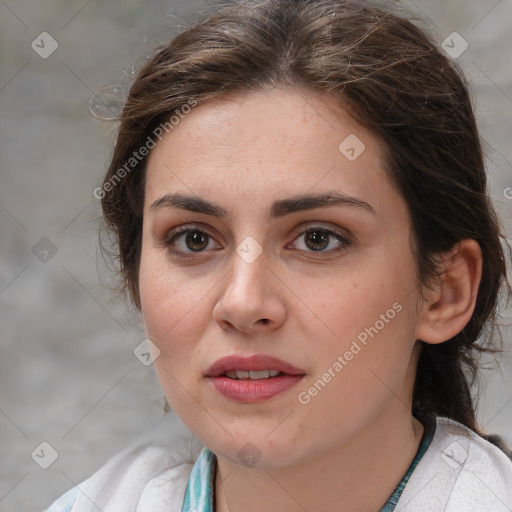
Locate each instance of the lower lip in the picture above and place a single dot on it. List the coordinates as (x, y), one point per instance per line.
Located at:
(253, 391)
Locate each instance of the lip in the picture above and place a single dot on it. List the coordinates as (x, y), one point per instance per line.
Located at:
(256, 362)
(253, 391)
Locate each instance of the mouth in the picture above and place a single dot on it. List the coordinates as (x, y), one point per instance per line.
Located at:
(252, 375)
(255, 367)
(252, 379)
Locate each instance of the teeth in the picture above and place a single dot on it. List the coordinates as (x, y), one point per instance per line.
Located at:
(255, 375)
(263, 374)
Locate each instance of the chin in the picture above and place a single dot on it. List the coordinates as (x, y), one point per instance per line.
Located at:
(257, 451)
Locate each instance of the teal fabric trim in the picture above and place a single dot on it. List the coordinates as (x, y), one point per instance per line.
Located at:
(428, 434)
(199, 496)
(65, 502)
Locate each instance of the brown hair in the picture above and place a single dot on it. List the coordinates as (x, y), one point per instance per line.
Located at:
(389, 75)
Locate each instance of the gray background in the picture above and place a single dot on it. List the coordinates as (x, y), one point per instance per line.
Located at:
(68, 375)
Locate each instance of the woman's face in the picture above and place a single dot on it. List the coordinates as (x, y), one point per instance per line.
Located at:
(272, 237)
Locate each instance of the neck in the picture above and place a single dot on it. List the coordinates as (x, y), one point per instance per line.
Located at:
(375, 460)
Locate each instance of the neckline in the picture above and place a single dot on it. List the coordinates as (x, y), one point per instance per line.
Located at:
(429, 423)
(200, 491)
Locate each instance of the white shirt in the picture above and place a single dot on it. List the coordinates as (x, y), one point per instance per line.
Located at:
(459, 472)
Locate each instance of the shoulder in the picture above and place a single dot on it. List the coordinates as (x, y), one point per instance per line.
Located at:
(147, 476)
(485, 477)
(460, 472)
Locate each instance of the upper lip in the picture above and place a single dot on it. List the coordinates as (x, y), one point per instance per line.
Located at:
(255, 362)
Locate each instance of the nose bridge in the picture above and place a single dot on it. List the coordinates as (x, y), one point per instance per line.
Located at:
(249, 298)
(248, 269)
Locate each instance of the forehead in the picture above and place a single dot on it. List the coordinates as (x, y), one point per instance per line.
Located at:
(260, 145)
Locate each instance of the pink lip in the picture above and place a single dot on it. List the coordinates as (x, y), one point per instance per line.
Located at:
(252, 391)
(256, 362)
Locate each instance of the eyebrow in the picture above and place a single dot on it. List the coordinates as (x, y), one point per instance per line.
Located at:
(278, 209)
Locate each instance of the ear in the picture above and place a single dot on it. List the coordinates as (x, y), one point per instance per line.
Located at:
(450, 301)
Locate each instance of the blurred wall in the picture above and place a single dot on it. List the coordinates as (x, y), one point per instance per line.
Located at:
(68, 375)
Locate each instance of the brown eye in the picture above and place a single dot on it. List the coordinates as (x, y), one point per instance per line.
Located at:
(317, 240)
(320, 240)
(184, 241)
(196, 240)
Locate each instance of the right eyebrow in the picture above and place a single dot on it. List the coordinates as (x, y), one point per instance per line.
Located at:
(192, 203)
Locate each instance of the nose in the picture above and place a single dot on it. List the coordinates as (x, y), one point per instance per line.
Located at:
(250, 300)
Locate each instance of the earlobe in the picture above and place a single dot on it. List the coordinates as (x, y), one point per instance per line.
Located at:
(450, 301)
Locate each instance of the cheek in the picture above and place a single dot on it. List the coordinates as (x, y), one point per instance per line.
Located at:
(362, 367)
(371, 319)
(173, 304)
(357, 300)
(173, 308)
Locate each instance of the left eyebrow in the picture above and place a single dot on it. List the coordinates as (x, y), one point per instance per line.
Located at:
(308, 202)
(278, 209)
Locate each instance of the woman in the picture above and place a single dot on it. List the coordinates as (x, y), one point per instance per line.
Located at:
(299, 199)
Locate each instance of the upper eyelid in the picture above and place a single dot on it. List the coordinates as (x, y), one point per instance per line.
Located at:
(301, 229)
(298, 230)
(183, 228)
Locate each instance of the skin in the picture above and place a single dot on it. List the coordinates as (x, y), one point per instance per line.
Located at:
(306, 307)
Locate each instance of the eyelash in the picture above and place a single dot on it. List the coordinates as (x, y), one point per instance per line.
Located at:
(178, 232)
